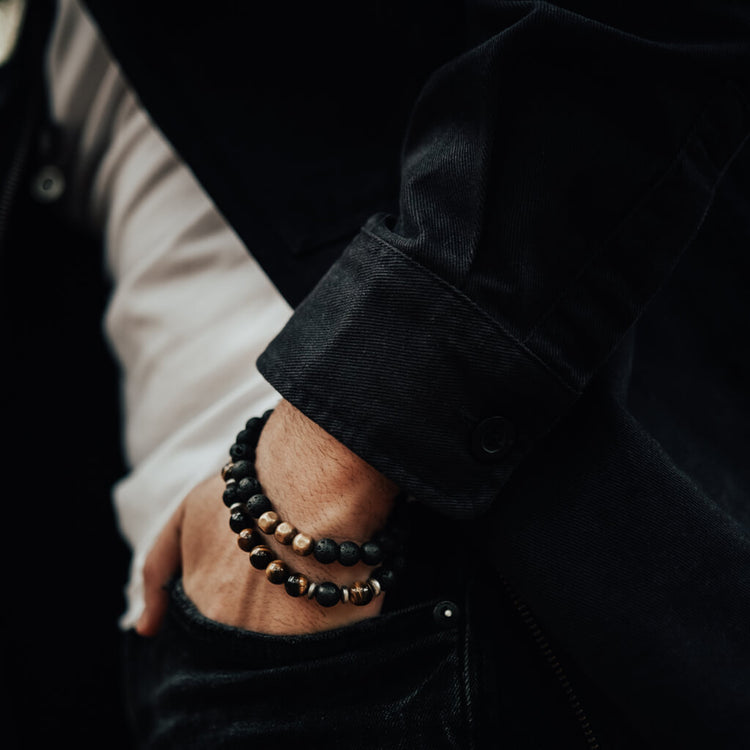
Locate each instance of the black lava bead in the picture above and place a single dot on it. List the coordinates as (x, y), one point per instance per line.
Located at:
(327, 594)
(230, 495)
(348, 553)
(257, 505)
(372, 553)
(247, 487)
(386, 577)
(326, 551)
(241, 452)
(240, 469)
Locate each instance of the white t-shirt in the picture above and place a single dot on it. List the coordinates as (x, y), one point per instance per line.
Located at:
(191, 309)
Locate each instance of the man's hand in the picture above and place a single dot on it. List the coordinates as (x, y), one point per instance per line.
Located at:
(315, 483)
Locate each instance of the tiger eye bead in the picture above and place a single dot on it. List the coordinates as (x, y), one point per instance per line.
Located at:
(277, 571)
(285, 532)
(268, 522)
(261, 556)
(247, 539)
(360, 594)
(296, 585)
(302, 544)
(237, 522)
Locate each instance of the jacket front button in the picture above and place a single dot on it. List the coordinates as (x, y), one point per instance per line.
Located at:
(492, 438)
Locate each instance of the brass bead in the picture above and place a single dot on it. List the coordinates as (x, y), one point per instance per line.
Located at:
(285, 532)
(374, 584)
(360, 593)
(225, 469)
(277, 571)
(268, 522)
(345, 594)
(302, 544)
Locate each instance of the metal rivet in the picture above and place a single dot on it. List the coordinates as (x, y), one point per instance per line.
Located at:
(445, 613)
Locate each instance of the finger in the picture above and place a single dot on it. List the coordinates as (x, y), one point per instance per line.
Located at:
(161, 564)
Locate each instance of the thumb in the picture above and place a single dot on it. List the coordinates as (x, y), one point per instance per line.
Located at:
(162, 563)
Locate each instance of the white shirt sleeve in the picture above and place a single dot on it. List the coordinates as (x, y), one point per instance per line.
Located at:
(191, 309)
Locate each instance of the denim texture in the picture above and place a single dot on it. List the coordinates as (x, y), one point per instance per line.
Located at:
(411, 678)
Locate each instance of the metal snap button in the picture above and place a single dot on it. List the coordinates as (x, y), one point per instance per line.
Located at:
(492, 438)
(445, 613)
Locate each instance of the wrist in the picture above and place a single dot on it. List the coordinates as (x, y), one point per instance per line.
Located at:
(318, 484)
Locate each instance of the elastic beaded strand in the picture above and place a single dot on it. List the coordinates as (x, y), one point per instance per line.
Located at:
(251, 512)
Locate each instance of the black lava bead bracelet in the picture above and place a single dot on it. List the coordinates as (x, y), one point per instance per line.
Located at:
(251, 511)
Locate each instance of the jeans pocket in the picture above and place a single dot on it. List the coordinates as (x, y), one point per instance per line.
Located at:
(399, 680)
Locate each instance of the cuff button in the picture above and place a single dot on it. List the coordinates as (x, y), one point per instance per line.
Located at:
(492, 438)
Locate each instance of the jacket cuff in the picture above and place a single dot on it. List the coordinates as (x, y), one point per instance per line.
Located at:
(413, 377)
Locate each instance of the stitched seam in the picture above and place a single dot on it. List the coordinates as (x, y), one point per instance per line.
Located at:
(471, 303)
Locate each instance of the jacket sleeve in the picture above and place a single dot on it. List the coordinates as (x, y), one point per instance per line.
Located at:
(552, 174)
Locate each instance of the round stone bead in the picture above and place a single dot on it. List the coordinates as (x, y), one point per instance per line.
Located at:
(285, 532)
(386, 577)
(296, 585)
(268, 522)
(277, 571)
(230, 495)
(360, 594)
(302, 544)
(327, 594)
(237, 522)
(371, 553)
(247, 487)
(238, 470)
(247, 539)
(240, 452)
(348, 553)
(326, 551)
(257, 505)
(247, 437)
(261, 556)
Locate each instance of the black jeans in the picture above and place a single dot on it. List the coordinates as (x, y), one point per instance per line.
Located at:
(453, 662)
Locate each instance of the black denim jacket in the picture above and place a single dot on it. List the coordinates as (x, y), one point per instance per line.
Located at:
(478, 211)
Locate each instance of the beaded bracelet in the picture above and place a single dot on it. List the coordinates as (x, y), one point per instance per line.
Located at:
(242, 486)
(246, 501)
